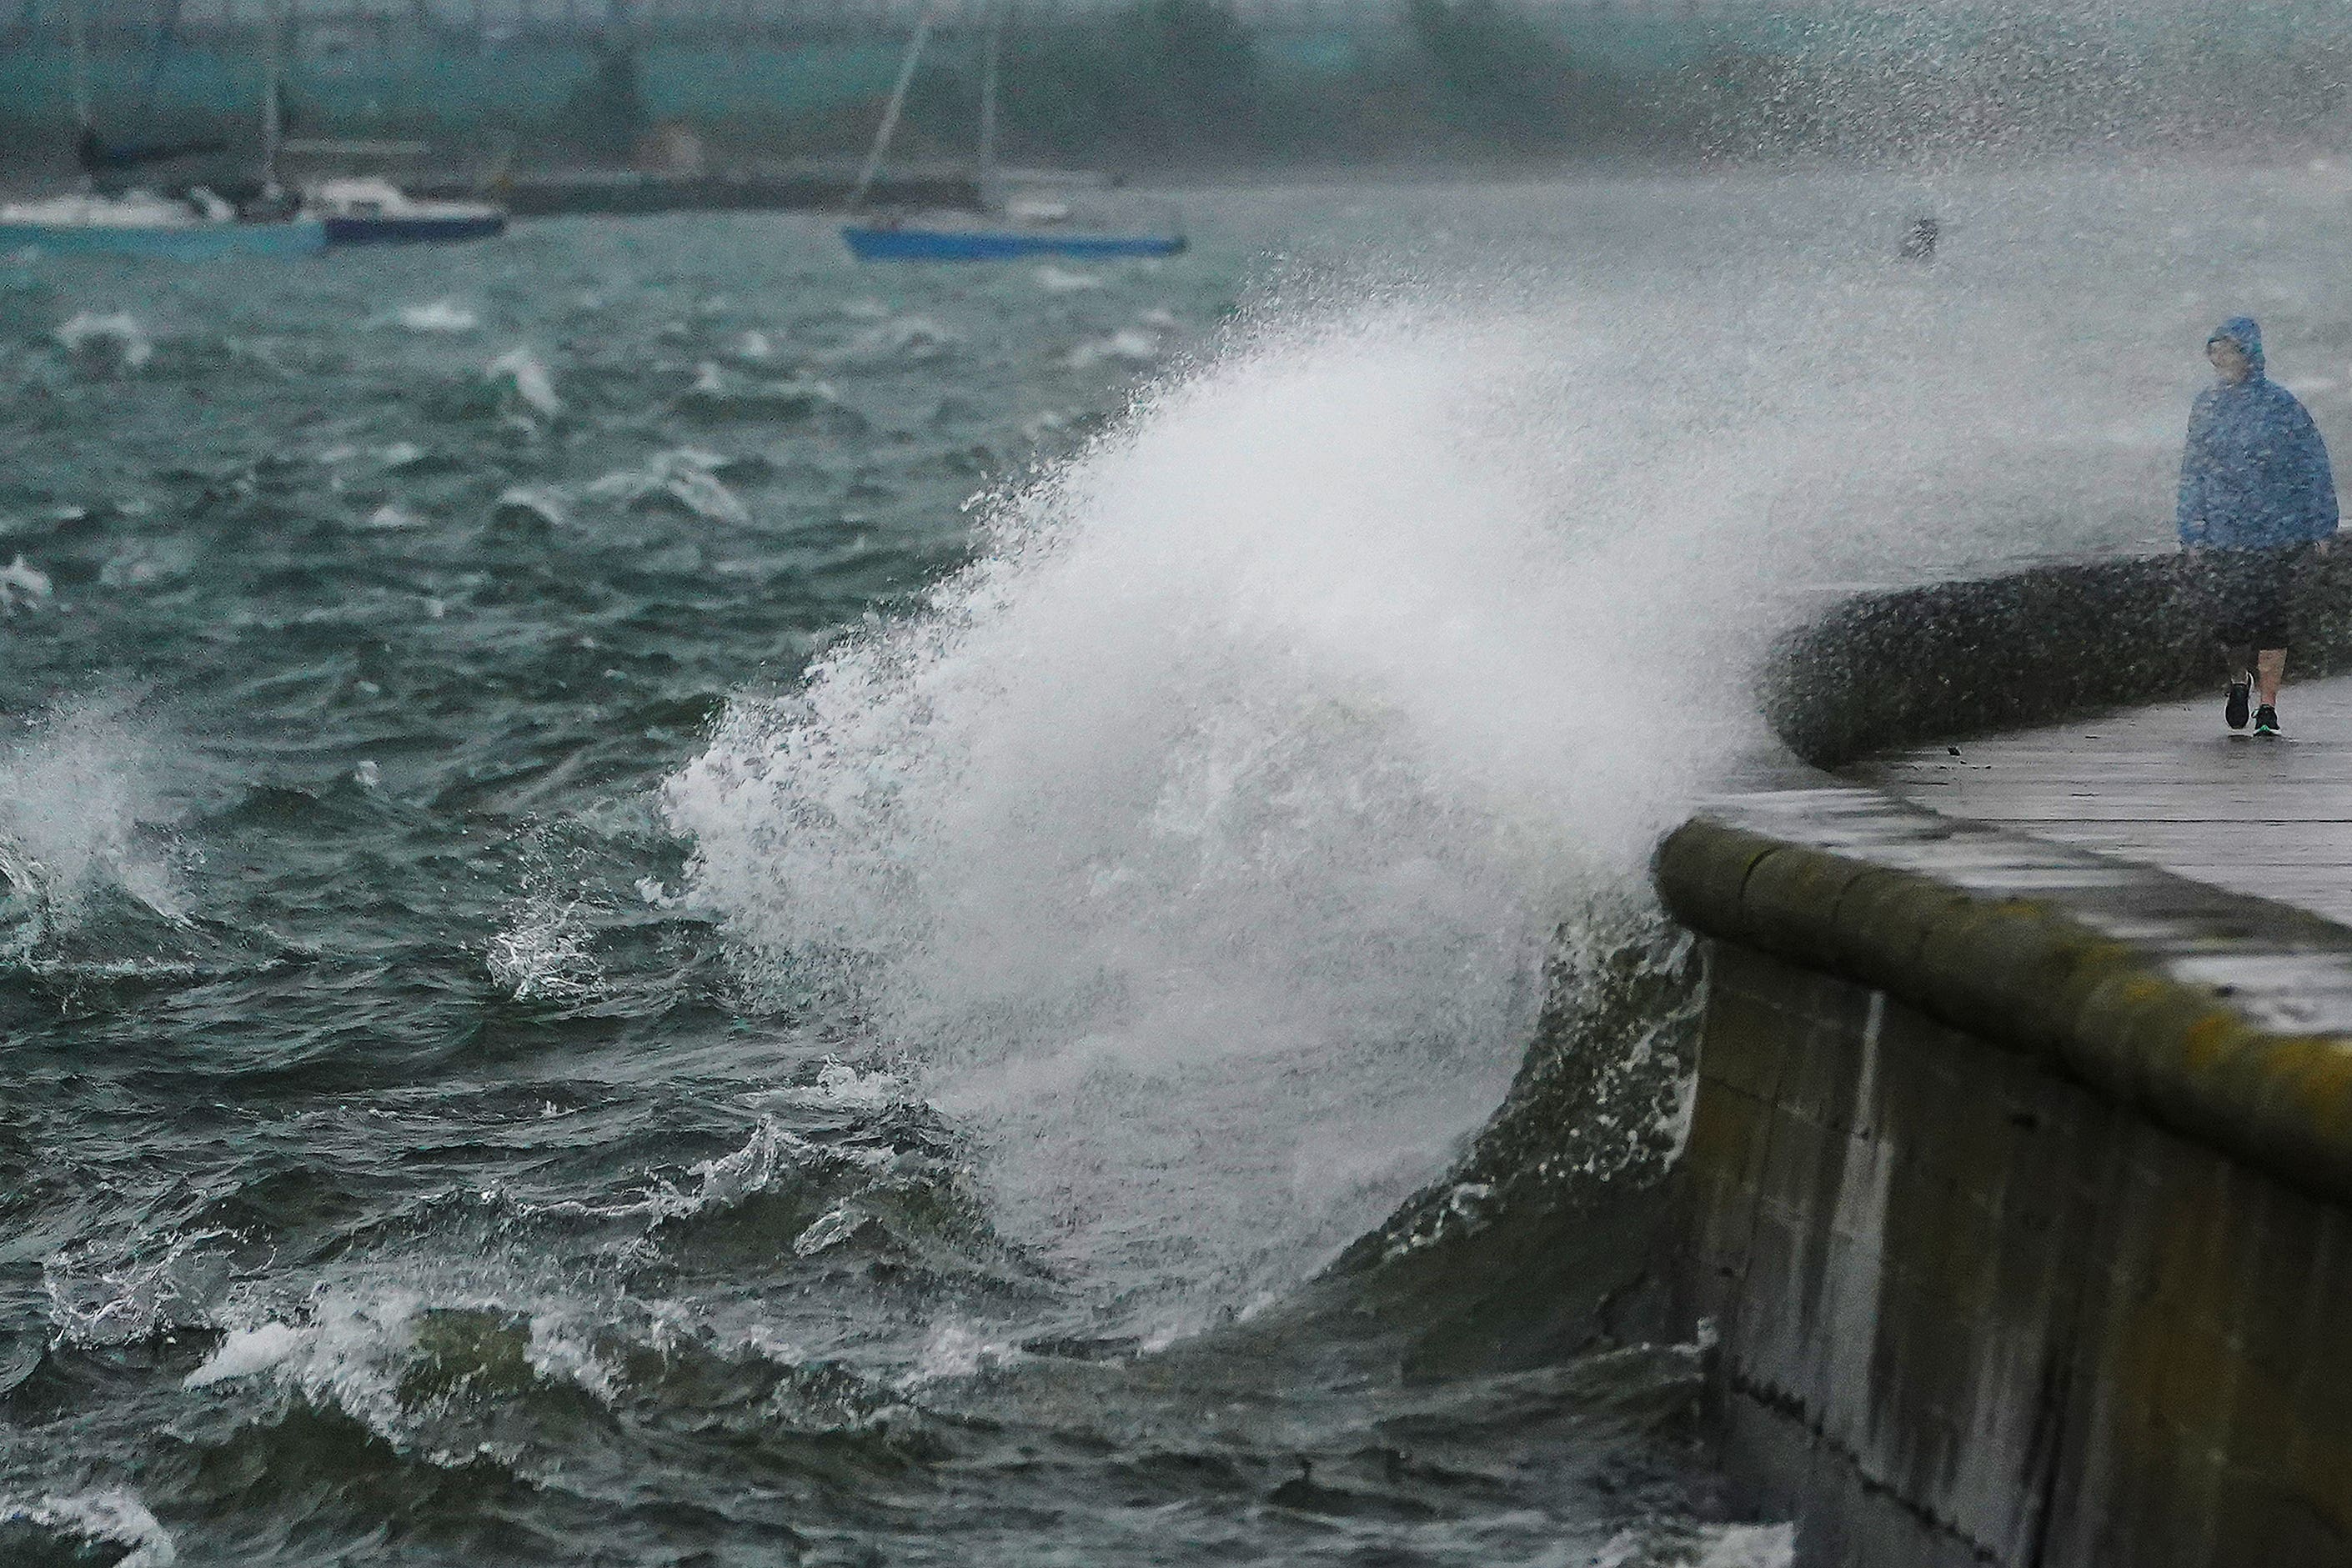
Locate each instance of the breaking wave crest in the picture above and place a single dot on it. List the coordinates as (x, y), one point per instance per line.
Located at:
(110, 1526)
(1203, 842)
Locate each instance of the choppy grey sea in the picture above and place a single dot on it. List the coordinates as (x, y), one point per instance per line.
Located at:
(672, 901)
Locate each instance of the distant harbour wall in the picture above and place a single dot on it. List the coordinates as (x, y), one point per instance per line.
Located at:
(2019, 1248)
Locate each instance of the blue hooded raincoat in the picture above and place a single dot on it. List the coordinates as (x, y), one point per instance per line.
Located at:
(2255, 475)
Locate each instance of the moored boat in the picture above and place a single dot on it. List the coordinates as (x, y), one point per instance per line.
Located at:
(1009, 227)
(195, 223)
(152, 228)
(931, 240)
(366, 210)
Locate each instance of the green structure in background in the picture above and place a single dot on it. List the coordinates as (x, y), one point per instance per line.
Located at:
(1188, 81)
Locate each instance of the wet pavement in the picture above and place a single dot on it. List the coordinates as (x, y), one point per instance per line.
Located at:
(2225, 859)
(2169, 786)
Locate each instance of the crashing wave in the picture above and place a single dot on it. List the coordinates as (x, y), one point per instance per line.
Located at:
(1202, 845)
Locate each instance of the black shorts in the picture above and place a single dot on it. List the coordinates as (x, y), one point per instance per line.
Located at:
(2253, 594)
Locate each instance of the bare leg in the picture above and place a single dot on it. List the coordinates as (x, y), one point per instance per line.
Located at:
(2270, 668)
(2241, 659)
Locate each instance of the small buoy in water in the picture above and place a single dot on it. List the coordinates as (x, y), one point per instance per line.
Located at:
(1919, 240)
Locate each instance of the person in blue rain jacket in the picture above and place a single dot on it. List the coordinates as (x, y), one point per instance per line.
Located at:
(2257, 501)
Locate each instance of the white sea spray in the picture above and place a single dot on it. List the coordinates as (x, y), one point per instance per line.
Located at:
(82, 790)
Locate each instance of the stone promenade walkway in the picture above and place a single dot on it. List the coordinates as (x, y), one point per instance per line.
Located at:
(2169, 786)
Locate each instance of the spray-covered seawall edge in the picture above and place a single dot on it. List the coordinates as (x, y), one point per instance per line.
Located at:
(2020, 973)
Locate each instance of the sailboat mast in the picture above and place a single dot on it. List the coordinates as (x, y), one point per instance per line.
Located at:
(895, 107)
(80, 76)
(988, 69)
(273, 119)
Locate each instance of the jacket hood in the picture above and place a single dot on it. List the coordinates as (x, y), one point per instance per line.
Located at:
(2242, 331)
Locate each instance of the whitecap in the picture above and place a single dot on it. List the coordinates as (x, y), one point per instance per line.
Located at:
(112, 1515)
(113, 341)
(130, 1292)
(443, 315)
(682, 479)
(246, 1351)
(755, 346)
(841, 1087)
(1159, 315)
(1129, 345)
(391, 517)
(912, 338)
(1064, 280)
(1750, 1546)
(528, 375)
(771, 1154)
(23, 586)
(543, 952)
(715, 395)
(141, 562)
(835, 1225)
(956, 1350)
(530, 503)
(74, 792)
(351, 1353)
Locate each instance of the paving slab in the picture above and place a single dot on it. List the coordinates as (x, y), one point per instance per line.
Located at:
(2167, 786)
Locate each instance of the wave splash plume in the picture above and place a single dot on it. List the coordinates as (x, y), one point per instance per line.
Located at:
(1202, 842)
(78, 793)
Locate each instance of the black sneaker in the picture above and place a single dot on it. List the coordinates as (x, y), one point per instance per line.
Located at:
(2266, 720)
(2233, 712)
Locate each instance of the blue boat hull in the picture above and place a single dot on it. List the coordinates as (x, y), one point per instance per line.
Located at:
(412, 231)
(871, 244)
(196, 242)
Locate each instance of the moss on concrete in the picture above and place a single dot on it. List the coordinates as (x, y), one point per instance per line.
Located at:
(2024, 975)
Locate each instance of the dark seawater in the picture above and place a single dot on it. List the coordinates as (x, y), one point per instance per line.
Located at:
(598, 969)
(399, 1164)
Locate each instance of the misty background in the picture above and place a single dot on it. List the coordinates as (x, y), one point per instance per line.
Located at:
(1196, 87)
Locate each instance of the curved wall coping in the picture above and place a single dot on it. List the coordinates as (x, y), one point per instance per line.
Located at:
(2033, 975)
(1948, 660)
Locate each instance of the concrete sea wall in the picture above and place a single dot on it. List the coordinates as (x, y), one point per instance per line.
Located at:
(2025, 1240)
(1956, 659)
(2017, 1251)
